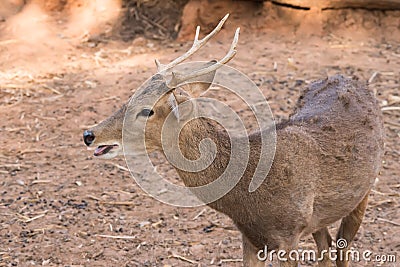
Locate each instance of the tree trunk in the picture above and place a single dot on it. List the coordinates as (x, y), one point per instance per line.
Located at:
(333, 4)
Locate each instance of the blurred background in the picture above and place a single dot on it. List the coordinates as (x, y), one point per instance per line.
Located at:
(67, 64)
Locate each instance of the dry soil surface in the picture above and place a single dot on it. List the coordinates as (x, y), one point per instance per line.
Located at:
(60, 206)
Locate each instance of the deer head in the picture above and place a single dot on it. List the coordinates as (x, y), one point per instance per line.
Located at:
(167, 92)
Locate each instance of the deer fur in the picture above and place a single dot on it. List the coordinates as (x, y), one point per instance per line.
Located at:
(328, 154)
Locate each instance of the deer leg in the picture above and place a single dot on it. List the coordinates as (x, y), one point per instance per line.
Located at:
(290, 260)
(250, 258)
(348, 230)
(324, 242)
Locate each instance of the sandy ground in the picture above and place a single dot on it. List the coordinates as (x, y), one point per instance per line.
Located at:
(59, 206)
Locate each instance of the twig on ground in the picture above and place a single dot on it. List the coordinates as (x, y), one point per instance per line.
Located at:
(388, 221)
(52, 89)
(183, 258)
(118, 236)
(27, 219)
(390, 108)
(230, 260)
(392, 123)
(373, 76)
(27, 151)
(391, 194)
(378, 203)
(118, 203)
(41, 182)
(120, 167)
(199, 214)
(93, 197)
(109, 98)
(96, 255)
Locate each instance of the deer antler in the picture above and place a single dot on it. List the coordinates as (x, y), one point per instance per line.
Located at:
(178, 78)
(197, 44)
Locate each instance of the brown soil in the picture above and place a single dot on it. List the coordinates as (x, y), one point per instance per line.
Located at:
(59, 206)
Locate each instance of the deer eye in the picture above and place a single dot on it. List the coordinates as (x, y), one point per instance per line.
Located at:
(146, 112)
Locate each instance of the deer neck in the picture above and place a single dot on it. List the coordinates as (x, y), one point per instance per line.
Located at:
(189, 140)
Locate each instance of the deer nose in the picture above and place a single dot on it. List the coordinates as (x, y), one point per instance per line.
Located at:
(88, 137)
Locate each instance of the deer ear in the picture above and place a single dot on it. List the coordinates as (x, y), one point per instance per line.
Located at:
(180, 104)
(199, 85)
(173, 103)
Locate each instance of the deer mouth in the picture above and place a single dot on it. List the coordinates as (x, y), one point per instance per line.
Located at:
(104, 149)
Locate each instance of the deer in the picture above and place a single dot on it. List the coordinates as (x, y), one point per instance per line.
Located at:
(328, 154)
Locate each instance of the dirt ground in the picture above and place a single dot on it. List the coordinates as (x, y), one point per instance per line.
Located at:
(59, 206)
